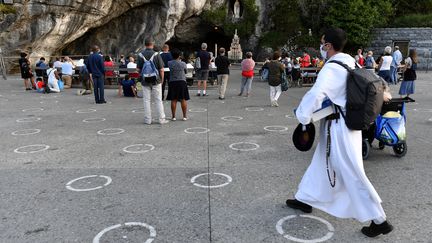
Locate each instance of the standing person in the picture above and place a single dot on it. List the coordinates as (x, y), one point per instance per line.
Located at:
(397, 59)
(26, 72)
(370, 63)
(67, 71)
(407, 87)
(58, 63)
(274, 78)
(166, 57)
(203, 72)
(384, 65)
(96, 69)
(53, 78)
(151, 68)
(346, 192)
(359, 58)
(248, 66)
(177, 88)
(222, 69)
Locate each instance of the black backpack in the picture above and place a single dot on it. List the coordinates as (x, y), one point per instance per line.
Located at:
(365, 97)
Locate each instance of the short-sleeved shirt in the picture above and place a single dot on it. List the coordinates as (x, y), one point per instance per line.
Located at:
(222, 64)
(157, 60)
(178, 70)
(127, 86)
(166, 57)
(204, 59)
(67, 68)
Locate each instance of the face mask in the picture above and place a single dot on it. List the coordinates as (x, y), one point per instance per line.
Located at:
(323, 53)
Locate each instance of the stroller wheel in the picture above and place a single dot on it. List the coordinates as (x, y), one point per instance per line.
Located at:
(400, 149)
(381, 145)
(365, 148)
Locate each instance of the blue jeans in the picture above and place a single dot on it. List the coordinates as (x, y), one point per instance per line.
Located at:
(98, 86)
(393, 74)
(385, 74)
(246, 85)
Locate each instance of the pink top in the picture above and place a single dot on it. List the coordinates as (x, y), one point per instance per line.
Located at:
(248, 64)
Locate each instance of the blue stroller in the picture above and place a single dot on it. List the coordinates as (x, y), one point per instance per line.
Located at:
(388, 128)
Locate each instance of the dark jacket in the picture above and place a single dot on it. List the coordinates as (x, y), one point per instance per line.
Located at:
(95, 65)
(275, 71)
(222, 64)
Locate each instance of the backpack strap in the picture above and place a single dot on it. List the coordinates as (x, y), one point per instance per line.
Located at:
(341, 64)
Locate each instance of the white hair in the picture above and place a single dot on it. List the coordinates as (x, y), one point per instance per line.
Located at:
(204, 46)
(387, 50)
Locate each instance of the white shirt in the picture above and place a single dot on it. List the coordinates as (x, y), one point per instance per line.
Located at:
(386, 63)
(67, 68)
(58, 64)
(51, 75)
(131, 65)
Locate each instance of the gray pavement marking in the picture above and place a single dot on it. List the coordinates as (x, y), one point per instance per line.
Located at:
(110, 131)
(252, 146)
(69, 184)
(232, 118)
(42, 147)
(86, 111)
(32, 109)
(276, 128)
(90, 120)
(326, 237)
(196, 130)
(26, 132)
(198, 110)
(193, 179)
(29, 119)
(129, 224)
(254, 109)
(138, 110)
(127, 149)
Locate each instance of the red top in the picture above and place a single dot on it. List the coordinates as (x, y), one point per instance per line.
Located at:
(109, 73)
(305, 61)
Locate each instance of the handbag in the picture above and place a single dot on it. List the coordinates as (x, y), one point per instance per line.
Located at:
(284, 82)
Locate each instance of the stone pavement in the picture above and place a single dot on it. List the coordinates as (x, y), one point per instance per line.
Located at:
(101, 175)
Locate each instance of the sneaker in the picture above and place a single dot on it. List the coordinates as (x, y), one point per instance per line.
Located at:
(173, 119)
(221, 98)
(272, 104)
(240, 94)
(185, 118)
(276, 104)
(295, 204)
(376, 229)
(198, 94)
(205, 94)
(163, 122)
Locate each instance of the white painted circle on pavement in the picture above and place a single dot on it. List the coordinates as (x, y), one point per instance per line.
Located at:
(86, 111)
(193, 179)
(152, 230)
(253, 146)
(290, 116)
(29, 119)
(430, 119)
(26, 132)
(232, 118)
(196, 130)
(139, 110)
(89, 120)
(276, 128)
(111, 131)
(69, 184)
(254, 108)
(198, 110)
(292, 238)
(144, 148)
(34, 148)
(32, 109)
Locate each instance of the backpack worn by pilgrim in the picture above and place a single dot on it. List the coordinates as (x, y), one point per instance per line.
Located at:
(149, 70)
(365, 98)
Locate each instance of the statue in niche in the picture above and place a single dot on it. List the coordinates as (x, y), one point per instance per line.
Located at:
(237, 9)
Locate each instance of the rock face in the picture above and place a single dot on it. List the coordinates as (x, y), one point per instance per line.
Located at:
(44, 27)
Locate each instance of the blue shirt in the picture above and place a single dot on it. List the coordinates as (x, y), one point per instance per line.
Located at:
(166, 57)
(127, 87)
(95, 65)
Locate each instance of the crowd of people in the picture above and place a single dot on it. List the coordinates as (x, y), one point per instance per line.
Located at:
(350, 196)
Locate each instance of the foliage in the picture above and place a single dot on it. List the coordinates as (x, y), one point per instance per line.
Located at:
(7, 9)
(357, 18)
(413, 20)
(245, 26)
(408, 7)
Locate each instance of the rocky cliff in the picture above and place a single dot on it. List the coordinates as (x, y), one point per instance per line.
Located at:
(49, 27)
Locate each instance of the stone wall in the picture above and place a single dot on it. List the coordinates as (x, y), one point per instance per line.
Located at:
(419, 39)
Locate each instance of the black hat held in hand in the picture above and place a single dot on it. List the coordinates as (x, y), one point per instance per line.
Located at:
(303, 138)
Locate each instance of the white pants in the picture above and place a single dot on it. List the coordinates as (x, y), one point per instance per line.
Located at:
(156, 92)
(223, 81)
(275, 92)
(53, 86)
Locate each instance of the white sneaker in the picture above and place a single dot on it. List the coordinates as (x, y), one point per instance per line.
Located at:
(276, 104)
(163, 122)
(174, 119)
(272, 103)
(185, 118)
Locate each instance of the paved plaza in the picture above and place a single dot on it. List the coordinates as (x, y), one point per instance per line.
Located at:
(74, 171)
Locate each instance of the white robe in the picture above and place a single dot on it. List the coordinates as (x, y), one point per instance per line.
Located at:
(353, 196)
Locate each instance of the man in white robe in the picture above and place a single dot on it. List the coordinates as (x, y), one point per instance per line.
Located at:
(340, 188)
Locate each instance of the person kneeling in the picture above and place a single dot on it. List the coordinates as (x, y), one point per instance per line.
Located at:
(177, 87)
(53, 78)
